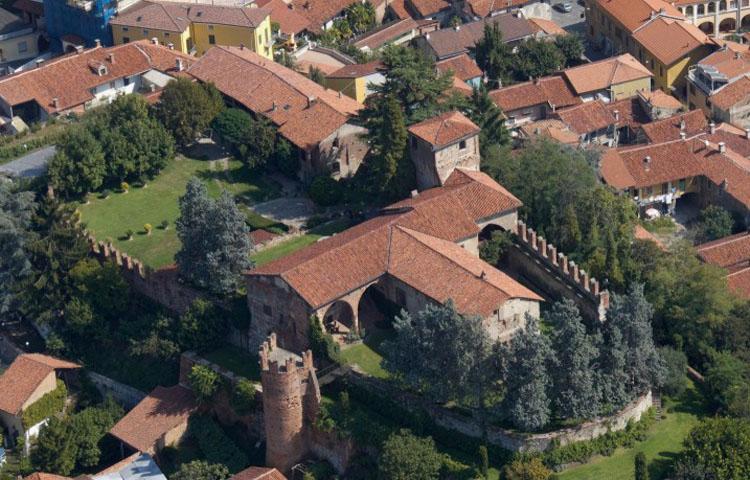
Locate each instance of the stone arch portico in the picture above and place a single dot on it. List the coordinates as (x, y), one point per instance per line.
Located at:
(715, 17)
(343, 312)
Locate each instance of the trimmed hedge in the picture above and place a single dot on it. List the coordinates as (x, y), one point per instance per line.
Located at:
(216, 446)
(50, 404)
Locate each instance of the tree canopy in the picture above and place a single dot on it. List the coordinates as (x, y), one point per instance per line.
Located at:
(406, 457)
(186, 108)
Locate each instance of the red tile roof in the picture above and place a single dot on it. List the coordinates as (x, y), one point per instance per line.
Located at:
(551, 128)
(641, 233)
(660, 99)
(483, 8)
(731, 252)
(259, 473)
(318, 12)
(398, 7)
(739, 282)
(630, 111)
(425, 8)
(732, 60)
(70, 78)
(587, 118)
(667, 129)
(670, 40)
(444, 129)
(45, 476)
(164, 409)
(603, 74)
(304, 112)
(289, 20)
(553, 91)
(548, 27)
(732, 94)
(634, 13)
(24, 376)
(380, 36)
(462, 66)
(29, 6)
(260, 236)
(357, 70)
(176, 17)
(372, 249)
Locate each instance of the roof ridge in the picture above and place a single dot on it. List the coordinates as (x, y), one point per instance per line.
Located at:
(169, 14)
(410, 232)
(720, 243)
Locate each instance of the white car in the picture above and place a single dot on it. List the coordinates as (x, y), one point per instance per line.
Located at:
(566, 7)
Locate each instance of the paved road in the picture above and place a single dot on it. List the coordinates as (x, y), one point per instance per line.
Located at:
(572, 21)
(32, 164)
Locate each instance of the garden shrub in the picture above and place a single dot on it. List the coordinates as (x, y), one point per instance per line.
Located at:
(216, 446)
(50, 404)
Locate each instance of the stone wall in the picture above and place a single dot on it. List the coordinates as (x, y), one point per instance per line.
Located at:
(509, 440)
(551, 272)
(8, 350)
(126, 395)
(163, 285)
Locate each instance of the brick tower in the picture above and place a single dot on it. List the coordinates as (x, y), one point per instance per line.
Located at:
(291, 400)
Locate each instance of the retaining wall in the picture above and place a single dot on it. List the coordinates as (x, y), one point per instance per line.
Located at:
(126, 395)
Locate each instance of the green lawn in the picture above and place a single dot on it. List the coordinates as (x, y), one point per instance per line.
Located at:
(664, 442)
(236, 360)
(368, 355)
(298, 243)
(110, 218)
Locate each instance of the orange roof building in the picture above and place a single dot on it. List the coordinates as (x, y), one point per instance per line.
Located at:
(732, 254)
(419, 251)
(318, 121)
(258, 473)
(159, 420)
(611, 79)
(593, 122)
(535, 100)
(85, 79)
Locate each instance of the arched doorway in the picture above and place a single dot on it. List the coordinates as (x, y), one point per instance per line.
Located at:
(701, 9)
(711, 7)
(689, 11)
(723, 6)
(375, 310)
(728, 25)
(339, 319)
(487, 231)
(707, 28)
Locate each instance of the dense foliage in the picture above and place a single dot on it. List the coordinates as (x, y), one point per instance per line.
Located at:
(251, 140)
(186, 108)
(717, 448)
(215, 246)
(406, 457)
(50, 404)
(16, 213)
(713, 222)
(204, 382)
(216, 446)
(200, 470)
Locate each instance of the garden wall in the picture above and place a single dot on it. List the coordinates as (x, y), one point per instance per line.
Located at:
(8, 351)
(552, 272)
(126, 395)
(163, 285)
(509, 440)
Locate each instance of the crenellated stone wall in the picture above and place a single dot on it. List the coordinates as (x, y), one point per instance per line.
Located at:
(554, 273)
(163, 285)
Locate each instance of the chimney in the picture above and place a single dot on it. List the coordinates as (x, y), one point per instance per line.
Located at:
(414, 193)
(737, 55)
(427, 36)
(616, 113)
(39, 62)
(56, 103)
(170, 46)
(97, 43)
(79, 48)
(242, 46)
(647, 162)
(683, 125)
(722, 147)
(747, 133)
(111, 58)
(683, 135)
(179, 65)
(154, 41)
(273, 106)
(457, 28)
(311, 101)
(712, 128)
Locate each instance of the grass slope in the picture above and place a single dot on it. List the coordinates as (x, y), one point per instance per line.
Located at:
(661, 446)
(110, 218)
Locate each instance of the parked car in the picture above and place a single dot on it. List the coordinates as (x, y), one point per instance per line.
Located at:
(565, 7)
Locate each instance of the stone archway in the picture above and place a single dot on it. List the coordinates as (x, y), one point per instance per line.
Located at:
(728, 25)
(701, 9)
(745, 23)
(340, 318)
(376, 310)
(723, 6)
(707, 28)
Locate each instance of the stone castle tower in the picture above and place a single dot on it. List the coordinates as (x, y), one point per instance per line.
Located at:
(291, 401)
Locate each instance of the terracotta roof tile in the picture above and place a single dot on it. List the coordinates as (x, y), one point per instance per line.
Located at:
(260, 236)
(670, 40)
(449, 42)
(305, 112)
(605, 73)
(660, 99)
(630, 112)
(361, 254)
(732, 94)
(548, 27)
(739, 282)
(730, 61)
(483, 8)
(24, 376)
(45, 476)
(444, 129)
(380, 36)
(462, 66)
(551, 128)
(669, 128)
(357, 70)
(259, 473)
(732, 253)
(71, 78)
(587, 118)
(289, 20)
(176, 17)
(425, 8)
(398, 7)
(641, 233)
(634, 13)
(161, 411)
(543, 91)
(318, 12)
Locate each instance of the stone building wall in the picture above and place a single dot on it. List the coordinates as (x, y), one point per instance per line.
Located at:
(550, 271)
(434, 167)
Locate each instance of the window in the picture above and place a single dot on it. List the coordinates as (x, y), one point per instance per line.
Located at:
(211, 27)
(22, 47)
(125, 39)
(111, 84)
(682, 184)
(212, 40)
(462, 145)
(661, 71)
(267, 310)
(145, 32)
(649, 191)
(125, 29)
(126, 81)
(166, 34)
(664, 188)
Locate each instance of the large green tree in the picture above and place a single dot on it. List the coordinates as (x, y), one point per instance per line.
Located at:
(575, 393)
(488, 116)
(494, 56)
(361, 17)
(713, 222)
(16, 212)
(537, 58)
(526, 364)
(572, 48)
(214, 239)
(406, 457)
(250, 139)
(391, 168)
(187, 108)
(718, 448)
(78, 166)
(201, 470)
(440, 352)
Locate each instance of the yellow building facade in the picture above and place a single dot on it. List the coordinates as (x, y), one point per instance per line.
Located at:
(194, 33)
